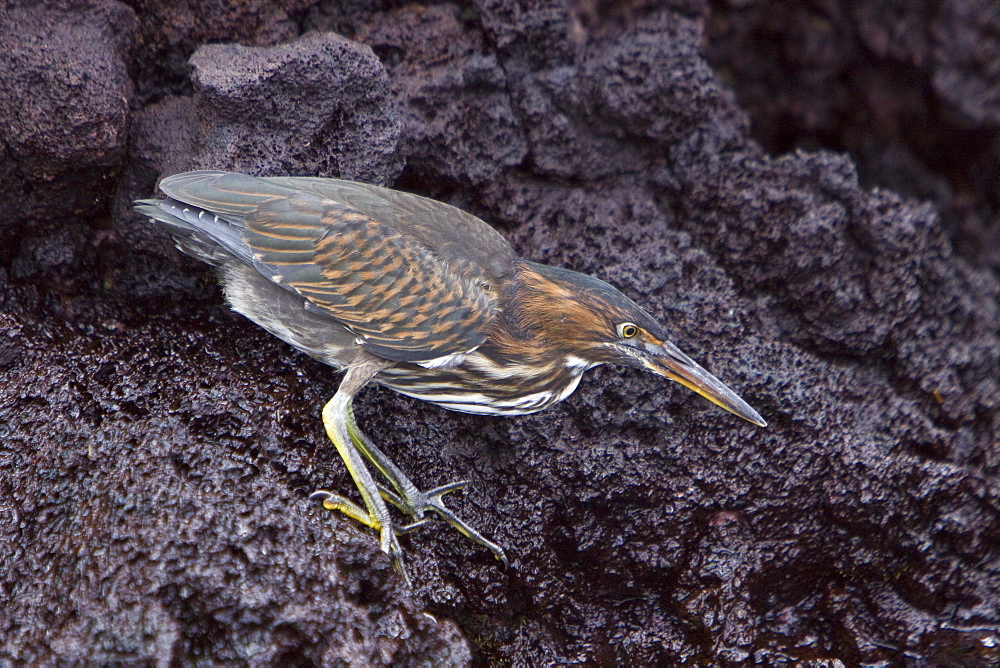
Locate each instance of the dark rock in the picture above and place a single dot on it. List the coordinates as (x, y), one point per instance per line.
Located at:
(545, 33)
(156, 450)
(649, 81)
(166, 137)
(10, 349)
(458, 117)
(184, 26)
(880, 79)
(171, 31)
(57, 252)
(319, 105)
(64, 106)
(134, 485)
(967, 58)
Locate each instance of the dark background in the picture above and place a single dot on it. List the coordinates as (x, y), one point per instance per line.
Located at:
(805, 193)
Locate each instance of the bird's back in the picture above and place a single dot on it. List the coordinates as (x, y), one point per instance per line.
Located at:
(415, 279)
(460, 240)
(465, 243)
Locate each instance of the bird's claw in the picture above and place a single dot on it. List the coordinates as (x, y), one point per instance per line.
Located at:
(341, 503)
(390, 545)
(415, 503)
(388, 532)
(407, 528)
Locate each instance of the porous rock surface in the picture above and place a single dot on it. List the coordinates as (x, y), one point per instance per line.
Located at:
(65, 87)
(157, 451)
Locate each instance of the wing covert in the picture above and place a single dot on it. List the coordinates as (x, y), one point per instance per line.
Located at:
(402, 301)
(468, 245)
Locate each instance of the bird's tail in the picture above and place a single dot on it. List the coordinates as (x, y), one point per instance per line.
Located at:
(197, 232)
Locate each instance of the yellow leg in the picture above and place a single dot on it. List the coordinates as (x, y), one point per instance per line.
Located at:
(375, 514)
(411, 500)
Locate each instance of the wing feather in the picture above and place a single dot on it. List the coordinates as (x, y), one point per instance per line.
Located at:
(384, 264)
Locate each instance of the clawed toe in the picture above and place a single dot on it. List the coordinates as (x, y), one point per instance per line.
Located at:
(439, 492)
(356, 449)
(416, 504)
(388, 532)
(332, 501)
(341, 503)
(390, 545)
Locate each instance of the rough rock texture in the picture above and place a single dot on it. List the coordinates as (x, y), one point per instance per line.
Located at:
(64, 107)
(144, 521)
(171, 30)
(908, 87)
(157, 451)
(319, 105)
(431, 56)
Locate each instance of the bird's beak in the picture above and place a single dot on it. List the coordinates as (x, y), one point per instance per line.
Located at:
(668, 360)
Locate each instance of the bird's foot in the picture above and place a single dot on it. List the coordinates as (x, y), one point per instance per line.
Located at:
(387, 531)
(415, 503)
(407, 498)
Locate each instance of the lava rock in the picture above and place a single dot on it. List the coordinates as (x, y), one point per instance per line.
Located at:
(65, 91)
(319, 105)
(136, 488)
(908, 88)
(460, 124)
(172, 31)
(967, 58)
(157, 450)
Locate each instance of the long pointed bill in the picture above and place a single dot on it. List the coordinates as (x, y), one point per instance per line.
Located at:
(667, 360)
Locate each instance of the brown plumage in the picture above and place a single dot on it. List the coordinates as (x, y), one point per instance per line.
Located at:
(415, 295)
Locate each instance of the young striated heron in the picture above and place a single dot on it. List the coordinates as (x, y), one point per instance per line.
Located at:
(417, 296)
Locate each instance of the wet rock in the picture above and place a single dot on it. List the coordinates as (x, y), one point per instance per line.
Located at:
(134, 487)
(157, 450)
(319, 105)
(65, 89)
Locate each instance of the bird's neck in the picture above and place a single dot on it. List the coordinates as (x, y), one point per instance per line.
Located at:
(542, 318)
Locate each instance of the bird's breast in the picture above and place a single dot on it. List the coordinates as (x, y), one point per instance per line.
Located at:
(483, 385)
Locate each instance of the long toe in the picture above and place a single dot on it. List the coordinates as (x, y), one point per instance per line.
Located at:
(433, 500)
(387, 531)
(341, 503)
(415, 504)
(390, 545)
(467, 531)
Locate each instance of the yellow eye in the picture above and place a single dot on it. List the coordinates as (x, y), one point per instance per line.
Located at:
(627, 330)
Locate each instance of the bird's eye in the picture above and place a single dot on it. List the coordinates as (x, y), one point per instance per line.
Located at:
(627, 330)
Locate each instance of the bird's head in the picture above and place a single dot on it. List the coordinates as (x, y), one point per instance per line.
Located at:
(589, 320)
